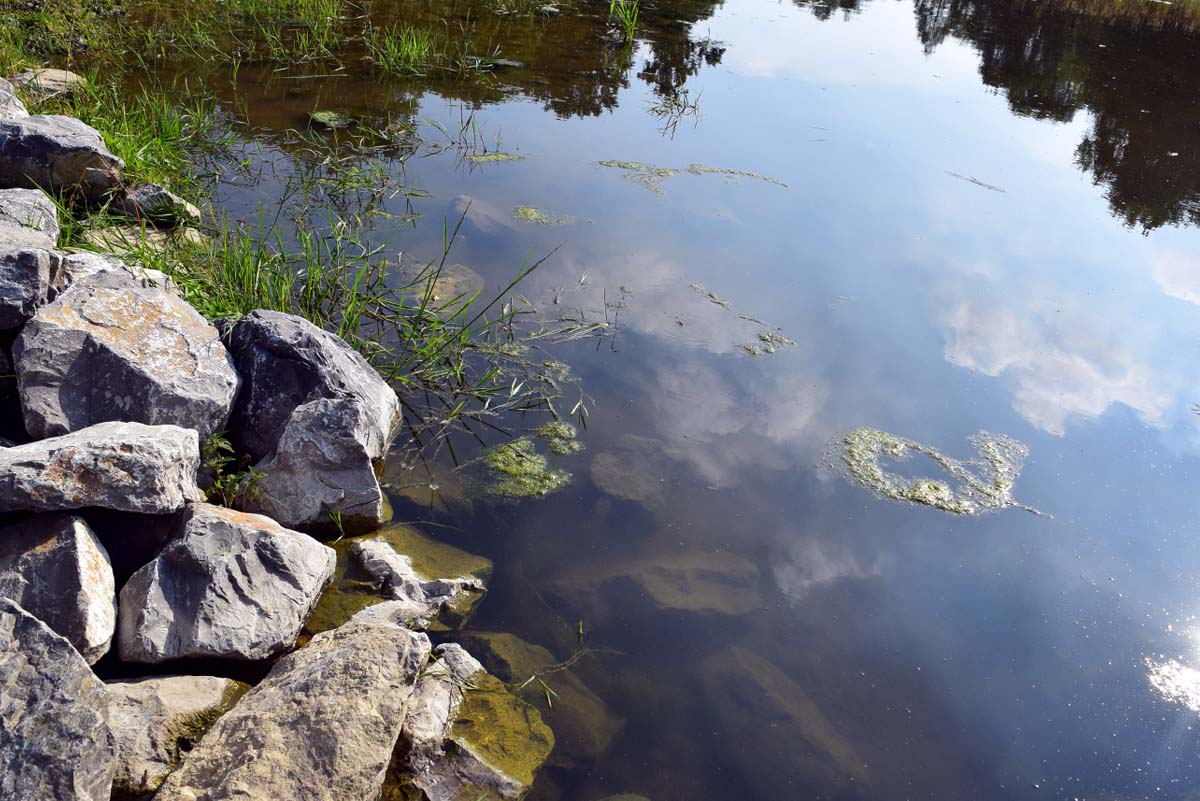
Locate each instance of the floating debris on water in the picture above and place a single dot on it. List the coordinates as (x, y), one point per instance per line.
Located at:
(976, 181)
(330, 119)
(712, 296)
(522, 472)
(487, 158)
(975, 486)
(560, 437)
(530, 214)
(769, 341)
(651, 177)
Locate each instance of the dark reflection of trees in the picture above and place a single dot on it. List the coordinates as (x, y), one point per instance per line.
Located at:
(824, 9)
(1130, 65)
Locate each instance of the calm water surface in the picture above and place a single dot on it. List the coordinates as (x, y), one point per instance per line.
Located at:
(987, 224)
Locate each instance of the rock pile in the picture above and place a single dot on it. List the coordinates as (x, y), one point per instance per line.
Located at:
(119, 384)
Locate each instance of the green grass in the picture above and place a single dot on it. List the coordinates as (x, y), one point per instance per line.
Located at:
(404, 49)
(625, 13)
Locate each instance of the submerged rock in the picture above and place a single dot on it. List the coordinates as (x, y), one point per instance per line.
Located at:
(466, 737)
(778, 738)
(424, 598)
(229, 584)
(157, 205)
(47, 82)
(156, 721)
(584, 726)
(320, 727)
(432, 562)
(125, 466)
(54, 739)
(56, 153)
(56, 569)
(101, 353)
(720, 584)
(634, 470)
(316, 415)
(11, 106)
(432, 486)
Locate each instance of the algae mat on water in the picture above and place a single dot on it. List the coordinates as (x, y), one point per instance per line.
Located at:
(971, 487)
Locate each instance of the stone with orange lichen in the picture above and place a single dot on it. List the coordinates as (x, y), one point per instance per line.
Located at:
(104, 351)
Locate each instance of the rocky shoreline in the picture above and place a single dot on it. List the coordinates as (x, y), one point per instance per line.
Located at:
(107, 538)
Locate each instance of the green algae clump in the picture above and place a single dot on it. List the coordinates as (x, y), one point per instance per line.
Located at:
(490, 158)
(560, 437)
(522, 472)
(503, 730)
(974, 486)
(330, 119)
(531, 215)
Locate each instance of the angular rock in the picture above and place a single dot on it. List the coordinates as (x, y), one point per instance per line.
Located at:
(11, 106)
(320, 727)
(56, 569)
(101, 353)
(156, 721)
(54, 741)
(431, 561)
(56, 153)
(584, 726)
(229, 584)
(46, 82)
(27, 268)
(707, 584)
(157, 205)
(110, 271)
(456, 745)
(394, 574)
(125, 466)
(28, 217)
(316, 414)
(322, 470)
(759, 708)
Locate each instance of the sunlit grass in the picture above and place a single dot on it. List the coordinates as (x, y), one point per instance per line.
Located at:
(404, 49)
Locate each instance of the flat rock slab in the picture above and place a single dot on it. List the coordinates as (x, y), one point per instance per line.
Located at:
(124, 466)
(156, 721)
(108, 270)
(56, 569)
(11, 106)
(316, 415)
(320, 727)
(54, 739)
(56, 153)
(103, 353)
(46, 82)
(28, 217)
(228, 584)
(460, 745)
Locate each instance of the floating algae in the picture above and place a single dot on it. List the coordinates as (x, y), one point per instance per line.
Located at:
(522, 472)
(530, 214)
(330, 119)
(651, 177)
(560, 437)
(975, 486)
(488, 158)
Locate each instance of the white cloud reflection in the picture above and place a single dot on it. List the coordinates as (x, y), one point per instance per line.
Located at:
(1178, 276)
(810, 564)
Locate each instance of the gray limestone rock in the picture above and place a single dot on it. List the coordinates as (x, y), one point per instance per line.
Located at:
(54, 566)
(11, 106)
(103, 353)
(320, 727)
(229, 584)
(422, 599)
(55, 743)
(28, 235)
(45, 82)
(28, 217)
(108, 270)
(156, 721)
(56, 153)
(125, 466)
(159, 206)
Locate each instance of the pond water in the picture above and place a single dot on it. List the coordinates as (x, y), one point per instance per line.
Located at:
(928, 219)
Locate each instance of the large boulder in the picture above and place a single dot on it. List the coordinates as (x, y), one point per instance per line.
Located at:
(466, 737)
(156, 721)
(101, 352)
(56, 153)
(54, 566)
(28, 235)
(777, 737)
(320, 727)
(54, 739)
(11, 106)
(584, 726)
(316, 414)
(229, 584)
(433, 563)
(125, 466)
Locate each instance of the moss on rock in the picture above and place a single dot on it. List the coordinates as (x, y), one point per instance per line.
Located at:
(501, 729)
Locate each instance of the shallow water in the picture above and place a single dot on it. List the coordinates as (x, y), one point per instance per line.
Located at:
(987, 224)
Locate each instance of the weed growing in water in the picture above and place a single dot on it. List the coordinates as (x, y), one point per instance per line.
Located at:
(404, 49)
(625, 12)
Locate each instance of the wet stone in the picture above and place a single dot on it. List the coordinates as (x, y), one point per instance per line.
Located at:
(229, 584)
(56, 569)
(103, 353)
(55, 742)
